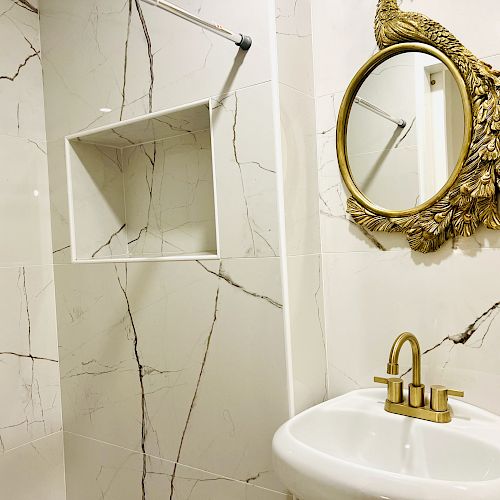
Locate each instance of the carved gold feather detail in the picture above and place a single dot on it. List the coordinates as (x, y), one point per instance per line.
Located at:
(472, 200)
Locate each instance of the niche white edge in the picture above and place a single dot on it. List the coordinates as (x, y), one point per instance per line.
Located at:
(69, 186)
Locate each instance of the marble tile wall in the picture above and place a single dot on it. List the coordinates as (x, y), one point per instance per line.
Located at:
(30, 420)
(246, 173)
(174, 374)
(150, 200)
(124, 480)
(177, 215)
(178, 360)
(375, 287)
(300, 192)
(98, 201)
(107, 65)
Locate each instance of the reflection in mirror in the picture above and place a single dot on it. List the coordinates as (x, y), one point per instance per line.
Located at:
(405, 131)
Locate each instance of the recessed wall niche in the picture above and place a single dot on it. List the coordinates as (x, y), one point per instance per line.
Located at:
(144, 189)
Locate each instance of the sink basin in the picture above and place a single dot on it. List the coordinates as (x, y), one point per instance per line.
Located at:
(350, 448)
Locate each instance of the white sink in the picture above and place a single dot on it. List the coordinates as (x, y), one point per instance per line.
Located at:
(350, 448)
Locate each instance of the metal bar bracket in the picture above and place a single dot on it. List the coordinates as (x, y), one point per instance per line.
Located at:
(244, 42)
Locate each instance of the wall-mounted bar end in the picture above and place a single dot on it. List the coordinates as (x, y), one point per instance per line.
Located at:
(245, 43)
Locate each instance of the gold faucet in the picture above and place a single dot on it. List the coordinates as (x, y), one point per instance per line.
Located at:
(415, 406)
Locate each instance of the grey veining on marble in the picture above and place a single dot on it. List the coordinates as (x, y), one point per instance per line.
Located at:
(155, 358)
(102, 471)
(34, 470)
(148, 200)
(294, 44)
(132, 59)
(246, 173)
(29, 365)
(24, 186)
(375, 287)
(30, 420)
(338, 232)
(188, 120)
(307, 331)
(456, 324)
(183, 404)
(169, 196)
(168, 206)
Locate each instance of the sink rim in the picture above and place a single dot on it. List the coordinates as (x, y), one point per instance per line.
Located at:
(300, 455)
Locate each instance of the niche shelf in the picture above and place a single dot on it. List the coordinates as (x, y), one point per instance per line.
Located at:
(144, 189)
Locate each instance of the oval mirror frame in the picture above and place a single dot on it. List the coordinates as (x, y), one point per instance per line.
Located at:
(343, 122)
(470, 197)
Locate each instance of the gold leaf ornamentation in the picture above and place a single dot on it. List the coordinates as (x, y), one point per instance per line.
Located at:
(472, 199)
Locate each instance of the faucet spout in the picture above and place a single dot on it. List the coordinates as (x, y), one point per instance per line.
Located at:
(437, 410)
(393, 365)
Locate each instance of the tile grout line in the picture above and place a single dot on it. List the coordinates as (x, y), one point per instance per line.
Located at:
(29, 443)
(173, 463)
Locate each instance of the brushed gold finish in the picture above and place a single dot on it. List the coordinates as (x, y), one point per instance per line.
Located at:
(345, 111)
(392, 368)
(469, 197)
(394, 388)
(416, 395)
(393, 364)
(415, 406)
(439, 397)
(424, 412)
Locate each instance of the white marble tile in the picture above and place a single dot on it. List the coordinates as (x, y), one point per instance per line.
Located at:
(29, 368)
(24, 209)
(307, 327)
(29, 365)
(343, 40)
(494, 60)
(98, 201)
(21, 91)
(350, 31)
(104, 64)
(462, 18)
(300, 172)
(246, 173)
(151, 128)
(151, 200)
(59, 202)
(169, 196)
(35, 470)
(294, 39)
(448, 299)
(173, 360)
(98, 470)
(24, 205)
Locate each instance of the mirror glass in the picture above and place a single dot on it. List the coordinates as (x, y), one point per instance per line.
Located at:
(405, 131)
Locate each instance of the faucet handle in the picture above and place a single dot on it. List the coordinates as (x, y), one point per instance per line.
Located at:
(439, 397)
(394, 388)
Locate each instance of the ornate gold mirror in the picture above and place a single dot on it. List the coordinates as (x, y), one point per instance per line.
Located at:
(418, 134)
